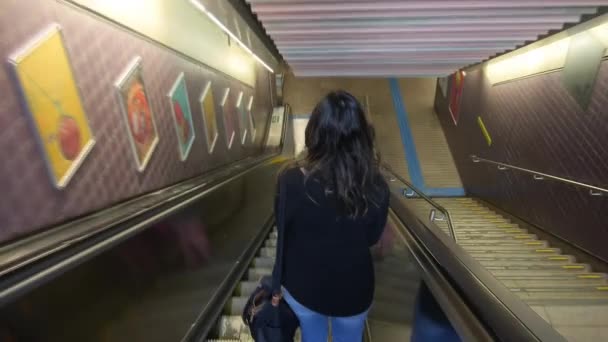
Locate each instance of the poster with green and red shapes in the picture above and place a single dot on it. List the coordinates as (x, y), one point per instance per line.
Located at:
(182, 116)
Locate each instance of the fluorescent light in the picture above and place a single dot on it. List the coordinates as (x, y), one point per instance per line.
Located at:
(202, 8)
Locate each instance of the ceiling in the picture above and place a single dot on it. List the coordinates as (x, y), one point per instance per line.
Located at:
(407, 37)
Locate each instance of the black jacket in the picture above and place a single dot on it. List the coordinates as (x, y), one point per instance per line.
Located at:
(327, 262)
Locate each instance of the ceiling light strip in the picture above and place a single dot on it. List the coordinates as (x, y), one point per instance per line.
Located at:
(215, 20)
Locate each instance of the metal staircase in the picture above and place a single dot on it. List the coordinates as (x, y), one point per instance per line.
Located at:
(538, 273)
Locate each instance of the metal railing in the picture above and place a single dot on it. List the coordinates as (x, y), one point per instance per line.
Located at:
(539, 176)
(433, 212)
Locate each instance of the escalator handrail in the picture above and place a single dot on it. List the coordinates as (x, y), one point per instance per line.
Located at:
(422, 195)
(508, 316)
(593, 190)
(468, 326)
(27, 262)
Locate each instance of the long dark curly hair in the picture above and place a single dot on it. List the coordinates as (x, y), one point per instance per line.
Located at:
(341, 154)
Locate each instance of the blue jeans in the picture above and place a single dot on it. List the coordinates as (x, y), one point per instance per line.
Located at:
(315, 326)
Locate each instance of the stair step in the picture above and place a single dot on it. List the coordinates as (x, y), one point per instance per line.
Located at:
(270, 243)
(544, 275)
(498, 237)
(582, 287)
(549, 283)
(503, 243)
(490, 230)
(514, 249)
(526, 266)
(527, 257)
(483, 224)
(597, 297)
(528, 263)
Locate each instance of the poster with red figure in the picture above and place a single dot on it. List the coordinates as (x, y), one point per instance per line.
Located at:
(137, 113)
(457, 86)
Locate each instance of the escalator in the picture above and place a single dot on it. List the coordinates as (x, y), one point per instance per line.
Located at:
(230, 326)
(179, 264)
(390, 317)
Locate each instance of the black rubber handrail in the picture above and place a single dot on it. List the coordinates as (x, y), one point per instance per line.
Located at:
(468, 326)
(509, 318)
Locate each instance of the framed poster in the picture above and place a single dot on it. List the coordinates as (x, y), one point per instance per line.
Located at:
(457, 86)
(137, 113)
(54, 105)
(182, 116)
(243, 122)
(228, 114)
(209, 116)
(252, 128)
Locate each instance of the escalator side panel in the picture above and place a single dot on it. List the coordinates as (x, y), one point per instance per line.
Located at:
(152, 286)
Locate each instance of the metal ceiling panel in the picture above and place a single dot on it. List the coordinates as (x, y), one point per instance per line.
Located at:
(407, 37)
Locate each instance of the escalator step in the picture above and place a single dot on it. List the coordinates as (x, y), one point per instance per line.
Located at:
(232, 327)
(268, 252)
(264, 262)
(236, 305)
(247, 287)
(257, 273)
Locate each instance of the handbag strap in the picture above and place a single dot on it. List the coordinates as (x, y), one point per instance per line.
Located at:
(277, 273)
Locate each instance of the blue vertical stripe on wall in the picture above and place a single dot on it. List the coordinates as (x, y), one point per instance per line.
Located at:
(413, 163)
(411, 155)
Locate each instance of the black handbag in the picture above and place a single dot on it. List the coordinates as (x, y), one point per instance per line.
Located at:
(266, 313)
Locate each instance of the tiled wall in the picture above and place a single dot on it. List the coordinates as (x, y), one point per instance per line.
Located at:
(99, 52)
(536, 124)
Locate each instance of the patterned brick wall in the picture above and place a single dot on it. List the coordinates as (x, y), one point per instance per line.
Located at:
(99, 51)
(536, 124)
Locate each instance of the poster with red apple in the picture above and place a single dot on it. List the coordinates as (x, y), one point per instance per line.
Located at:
(53, 103)
(137, 113)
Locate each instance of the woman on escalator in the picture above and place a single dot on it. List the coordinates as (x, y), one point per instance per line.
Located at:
(336, 205)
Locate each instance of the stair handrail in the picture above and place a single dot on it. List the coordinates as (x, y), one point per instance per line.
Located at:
(593, 190)
(444, 211)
